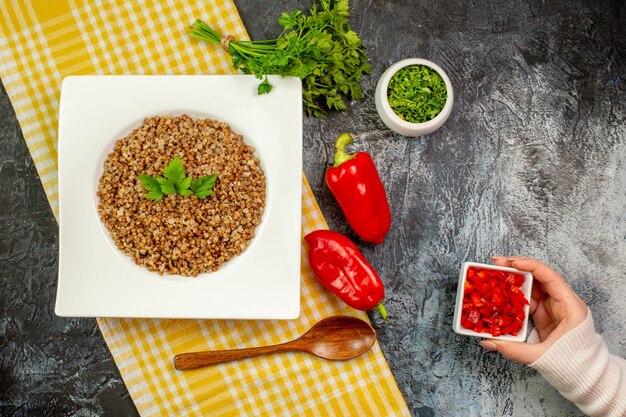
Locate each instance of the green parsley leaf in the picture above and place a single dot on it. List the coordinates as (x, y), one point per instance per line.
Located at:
(175, 181)
(185, 193)
(152, 186)
(167, 186)
(289, 20)
(203, 187)
(342, 8)
(352, 38)
(175, 171)
(183, 186)
(333, 100)
(265, 87)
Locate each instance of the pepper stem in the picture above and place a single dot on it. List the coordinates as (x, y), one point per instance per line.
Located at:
(340, 149)
(382, 310)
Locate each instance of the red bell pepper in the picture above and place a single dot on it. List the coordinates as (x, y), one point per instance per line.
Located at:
(341, 267)
(355, 183)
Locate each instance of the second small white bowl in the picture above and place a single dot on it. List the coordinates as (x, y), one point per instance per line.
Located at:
(392, 120)
(526, 288)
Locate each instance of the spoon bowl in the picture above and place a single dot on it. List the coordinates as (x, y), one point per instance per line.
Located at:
(335, 338)
(338, 338)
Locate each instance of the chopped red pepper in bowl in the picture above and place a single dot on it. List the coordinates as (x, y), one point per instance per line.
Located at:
(492, 302)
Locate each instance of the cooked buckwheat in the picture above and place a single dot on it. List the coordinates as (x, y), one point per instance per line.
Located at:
(182, 235)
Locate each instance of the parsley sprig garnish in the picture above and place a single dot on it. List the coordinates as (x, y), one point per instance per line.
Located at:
(320, 49)
(176, 181)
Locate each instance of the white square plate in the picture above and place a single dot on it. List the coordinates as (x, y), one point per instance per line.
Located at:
(98, 280)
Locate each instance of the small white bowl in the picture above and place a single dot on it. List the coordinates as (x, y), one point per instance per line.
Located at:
(526, 288)
(392, 120)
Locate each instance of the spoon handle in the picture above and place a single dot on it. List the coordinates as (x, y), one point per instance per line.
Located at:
(194, 360)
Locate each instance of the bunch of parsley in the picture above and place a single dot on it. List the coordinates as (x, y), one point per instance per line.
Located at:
(176, 181)
(320, 49)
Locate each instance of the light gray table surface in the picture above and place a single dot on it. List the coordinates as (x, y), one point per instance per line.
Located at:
(531, 162)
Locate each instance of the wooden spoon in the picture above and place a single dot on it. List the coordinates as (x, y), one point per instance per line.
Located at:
(336, 338)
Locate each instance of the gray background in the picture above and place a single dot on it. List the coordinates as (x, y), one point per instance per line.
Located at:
(531, 162)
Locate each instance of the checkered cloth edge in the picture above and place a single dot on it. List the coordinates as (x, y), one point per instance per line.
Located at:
(41, 43)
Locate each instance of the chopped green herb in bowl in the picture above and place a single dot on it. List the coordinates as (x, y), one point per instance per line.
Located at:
(414, 97)
(417, 93)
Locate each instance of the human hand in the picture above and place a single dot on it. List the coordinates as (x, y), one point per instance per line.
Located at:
(554, 307)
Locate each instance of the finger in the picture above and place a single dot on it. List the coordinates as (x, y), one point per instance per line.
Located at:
(553, 284)
(533, 306)
(500, 261)
(516, 351)
(542, 318)
(537, 292)
(507, 258)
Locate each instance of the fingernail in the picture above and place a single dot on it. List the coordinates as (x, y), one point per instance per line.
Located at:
(488, 345)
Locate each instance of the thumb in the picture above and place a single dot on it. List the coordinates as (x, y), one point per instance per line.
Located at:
(516, 351)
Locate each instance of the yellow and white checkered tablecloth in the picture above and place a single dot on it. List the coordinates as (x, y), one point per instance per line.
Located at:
(43, 41)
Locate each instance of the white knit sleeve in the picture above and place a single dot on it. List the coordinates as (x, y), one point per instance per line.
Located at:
(580, 366)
